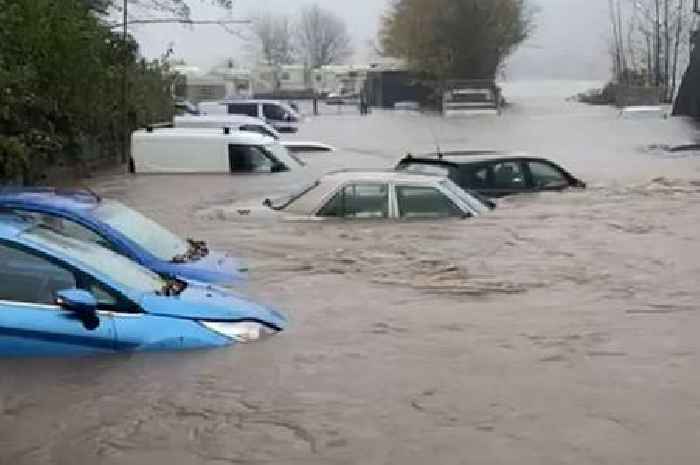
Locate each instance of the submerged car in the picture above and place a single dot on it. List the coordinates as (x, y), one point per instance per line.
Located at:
(62, 296)
(86, 216)
(492, 173)
(376, 195)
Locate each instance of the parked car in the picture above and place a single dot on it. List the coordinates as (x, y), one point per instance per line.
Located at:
(374, 195)
(187, 150)
(247, 123)
(492, 173)
(61, 296)
(278, 114)
(108, 223)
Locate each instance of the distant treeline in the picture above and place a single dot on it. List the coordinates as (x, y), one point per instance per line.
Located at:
(61, 74)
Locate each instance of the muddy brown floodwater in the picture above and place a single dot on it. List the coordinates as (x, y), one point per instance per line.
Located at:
(561, 329)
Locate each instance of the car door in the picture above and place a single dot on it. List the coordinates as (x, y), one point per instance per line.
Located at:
(425, 203)
(505, 177)
(361, 201)
(545, 176)
(31, 324)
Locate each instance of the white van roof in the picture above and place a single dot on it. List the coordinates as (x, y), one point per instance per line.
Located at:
(219, 120)
(209, 134)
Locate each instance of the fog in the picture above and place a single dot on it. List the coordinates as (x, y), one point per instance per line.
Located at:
(570, 40)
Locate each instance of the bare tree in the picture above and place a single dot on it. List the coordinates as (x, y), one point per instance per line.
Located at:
(276, 43)
(322, 37)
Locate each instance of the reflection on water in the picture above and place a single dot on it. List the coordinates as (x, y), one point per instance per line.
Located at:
(562, 328)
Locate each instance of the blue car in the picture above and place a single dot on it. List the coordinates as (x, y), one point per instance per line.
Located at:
(86, 216)
(60, 296)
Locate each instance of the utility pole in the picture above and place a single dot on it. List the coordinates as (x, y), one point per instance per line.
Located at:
(125, 86)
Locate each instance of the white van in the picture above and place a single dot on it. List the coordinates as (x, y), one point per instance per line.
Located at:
(278, 114)
(208, 151)
(237, 122)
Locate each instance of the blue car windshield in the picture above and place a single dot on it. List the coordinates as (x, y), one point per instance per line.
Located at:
(97, 260)
(143, 231)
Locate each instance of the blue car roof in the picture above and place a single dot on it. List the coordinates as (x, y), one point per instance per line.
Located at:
(51, 198)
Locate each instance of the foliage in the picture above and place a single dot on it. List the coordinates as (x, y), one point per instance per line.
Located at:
(61, 71)
(649, 41)
(455, 39)
(322, 37)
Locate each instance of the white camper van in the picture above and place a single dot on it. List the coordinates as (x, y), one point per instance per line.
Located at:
(208, 151)
(278, 114)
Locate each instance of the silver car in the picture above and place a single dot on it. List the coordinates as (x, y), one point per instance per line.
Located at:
(376, 195)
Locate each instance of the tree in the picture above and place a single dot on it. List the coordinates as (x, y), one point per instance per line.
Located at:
(455, 39)
(274, 38)
(179, 8)
(322, 37)
(648, 39)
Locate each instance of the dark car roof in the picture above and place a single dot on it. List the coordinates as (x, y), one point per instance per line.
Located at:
(50, 198)
(469, 157)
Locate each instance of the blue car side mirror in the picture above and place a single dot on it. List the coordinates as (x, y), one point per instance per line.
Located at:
(77, 300)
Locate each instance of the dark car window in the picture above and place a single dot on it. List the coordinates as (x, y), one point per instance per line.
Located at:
(546, 176)
(274, 112)
(249, 109)
(476, 177)
(424, 202)
(508, 175)
(66, 227)
(29, 278)
(249, 159)
(362, 201)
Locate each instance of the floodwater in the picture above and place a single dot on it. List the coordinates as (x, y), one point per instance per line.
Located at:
(560, 329)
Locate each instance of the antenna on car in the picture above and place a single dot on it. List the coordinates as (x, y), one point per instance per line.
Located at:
(438, 151)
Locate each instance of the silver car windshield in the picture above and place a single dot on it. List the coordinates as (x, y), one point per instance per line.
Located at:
(97, 260)
(143, 231)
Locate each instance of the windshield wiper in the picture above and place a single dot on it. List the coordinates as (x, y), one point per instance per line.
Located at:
(196, 251)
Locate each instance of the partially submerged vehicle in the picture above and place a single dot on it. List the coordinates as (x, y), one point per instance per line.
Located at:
(247, 123)
(470, 101)
(61, 296)
(375, 195)
(494, 173)
(208, 151)
(278, 114)
(84, 215)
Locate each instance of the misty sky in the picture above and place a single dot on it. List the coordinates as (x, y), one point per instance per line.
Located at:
(570, 41)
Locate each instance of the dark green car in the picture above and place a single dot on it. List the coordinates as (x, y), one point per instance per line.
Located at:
(494, 174)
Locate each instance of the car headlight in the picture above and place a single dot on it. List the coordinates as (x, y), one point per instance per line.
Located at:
(244, 332)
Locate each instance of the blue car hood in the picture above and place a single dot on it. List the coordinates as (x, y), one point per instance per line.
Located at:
(210, 303)
(216, 267)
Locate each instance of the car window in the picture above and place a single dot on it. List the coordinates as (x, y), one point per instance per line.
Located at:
(360, 201)
(66, 227)
(508, 175)
(249, 109)
(274, 112)
(424, 202)
(545, 175)
(249, 159)
(478, 178)
(29, 278)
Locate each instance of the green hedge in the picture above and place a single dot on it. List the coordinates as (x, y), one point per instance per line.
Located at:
(61, 71)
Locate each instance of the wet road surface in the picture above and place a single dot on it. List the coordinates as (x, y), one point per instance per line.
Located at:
(560, 329)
